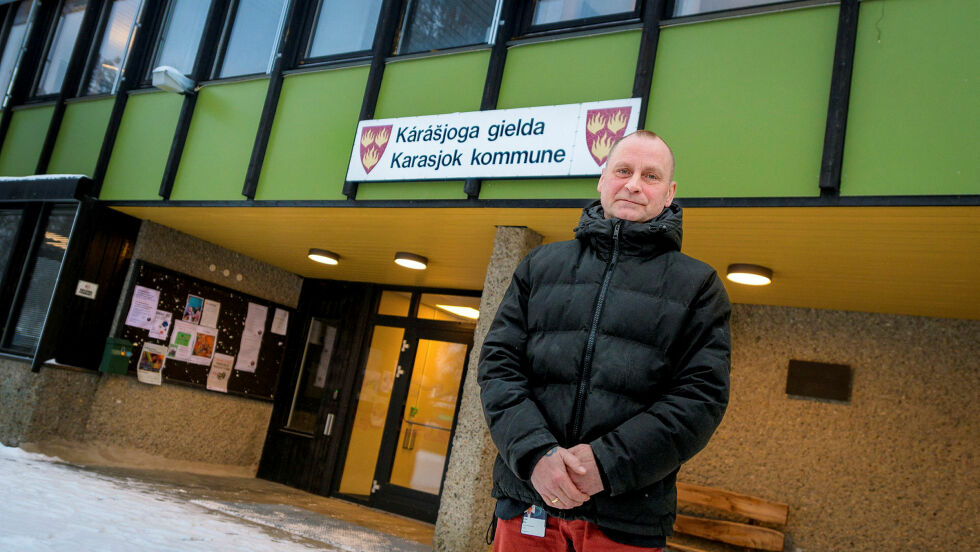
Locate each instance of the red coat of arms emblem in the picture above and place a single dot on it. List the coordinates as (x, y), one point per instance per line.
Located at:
(373, 140)
(602, 128)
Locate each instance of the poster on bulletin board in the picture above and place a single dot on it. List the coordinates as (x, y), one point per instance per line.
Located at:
(202, 334)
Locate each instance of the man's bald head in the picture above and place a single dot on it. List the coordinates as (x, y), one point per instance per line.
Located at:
(648, 135)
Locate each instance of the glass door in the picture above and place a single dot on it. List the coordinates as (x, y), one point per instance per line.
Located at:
(405, 416)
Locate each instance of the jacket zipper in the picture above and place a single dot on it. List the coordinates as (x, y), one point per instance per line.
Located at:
(583, 383)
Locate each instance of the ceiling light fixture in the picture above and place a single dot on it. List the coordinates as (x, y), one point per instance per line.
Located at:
(323, 256)
(411, 260)
(749, 274)
(465, 312)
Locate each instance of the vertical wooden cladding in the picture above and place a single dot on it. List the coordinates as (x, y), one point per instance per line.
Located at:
(743, 102)
(912, 124)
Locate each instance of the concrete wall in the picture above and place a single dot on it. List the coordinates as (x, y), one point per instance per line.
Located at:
(896, 469)
(84, 415)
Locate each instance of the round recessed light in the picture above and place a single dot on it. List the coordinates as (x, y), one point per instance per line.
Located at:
(749, 274)
(411, 260)
(323, 256)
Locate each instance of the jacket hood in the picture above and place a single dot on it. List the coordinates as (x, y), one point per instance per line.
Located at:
(662, 233)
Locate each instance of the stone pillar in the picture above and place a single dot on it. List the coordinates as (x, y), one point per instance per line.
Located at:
(466, 506)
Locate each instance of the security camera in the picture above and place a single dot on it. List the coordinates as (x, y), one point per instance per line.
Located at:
(171, 79)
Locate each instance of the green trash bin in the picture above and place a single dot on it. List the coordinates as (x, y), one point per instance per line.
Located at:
(115, 357)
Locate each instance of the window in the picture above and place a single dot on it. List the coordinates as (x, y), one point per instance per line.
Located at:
(694, 7)
(33, 241)
(440, 24)
(59, 49)
(343, 27)
(17, 33)
(107, 65)
(550, 12)
(181, 35)
(251, 40)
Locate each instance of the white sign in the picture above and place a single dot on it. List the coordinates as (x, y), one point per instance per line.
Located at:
(86, 289)
(557, 140)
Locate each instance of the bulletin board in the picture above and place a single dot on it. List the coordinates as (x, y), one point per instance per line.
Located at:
(196, 327)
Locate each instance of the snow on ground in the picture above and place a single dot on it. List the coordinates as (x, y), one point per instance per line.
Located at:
(49, 506)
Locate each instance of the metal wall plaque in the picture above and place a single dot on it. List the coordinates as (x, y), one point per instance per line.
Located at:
(818, 380)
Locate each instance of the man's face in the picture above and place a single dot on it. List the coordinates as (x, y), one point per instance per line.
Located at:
(636, 182)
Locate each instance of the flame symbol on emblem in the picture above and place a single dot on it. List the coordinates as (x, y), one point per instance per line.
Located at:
(602, 128)
(373, 142)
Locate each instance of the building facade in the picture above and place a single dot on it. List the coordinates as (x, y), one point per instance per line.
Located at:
(832, 142)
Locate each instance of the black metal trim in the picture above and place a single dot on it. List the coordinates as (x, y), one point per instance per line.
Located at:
(832, 160)
(135, 63)
(73, 74)
(202, 61)
(286, 50)
(566, 203)
(53, 188)
(653, 11)
(384, 39)
(495, 75)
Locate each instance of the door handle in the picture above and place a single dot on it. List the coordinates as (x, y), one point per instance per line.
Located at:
(406, 438)
(328, 427)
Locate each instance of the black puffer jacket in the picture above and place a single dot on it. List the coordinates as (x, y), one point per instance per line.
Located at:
(615, 339)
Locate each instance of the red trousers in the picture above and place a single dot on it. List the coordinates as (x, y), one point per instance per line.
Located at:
(559, 536)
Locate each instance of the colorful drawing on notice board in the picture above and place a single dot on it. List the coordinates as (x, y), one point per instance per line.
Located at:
(180, 341)
(204, 344)
(150, 367)
(192, 311)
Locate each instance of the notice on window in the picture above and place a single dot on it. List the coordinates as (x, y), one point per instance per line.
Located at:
(205, 341)
(150, 367)
(220, 372)
(209, 316)
(279, 321)
(248, 351)
(182, 340)
(162, 321)
(143, 307)
(323, 368)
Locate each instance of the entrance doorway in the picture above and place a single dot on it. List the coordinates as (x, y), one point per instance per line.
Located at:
(373, 422)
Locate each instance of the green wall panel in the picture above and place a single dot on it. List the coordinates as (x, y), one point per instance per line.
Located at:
(743, 102)
(915, 100)
(143, 142)
(427, 86)
(564, 188)
(311, 138)
(25, 137)
(219, 142)
(568, 71)
(80, 138)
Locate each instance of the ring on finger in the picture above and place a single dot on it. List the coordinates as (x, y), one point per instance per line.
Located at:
(555, 500)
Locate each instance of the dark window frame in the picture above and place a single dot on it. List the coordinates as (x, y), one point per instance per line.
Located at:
(526, 28)
(146, 80)
(96, 45)
(309, 19)
(224, 37)
(404, 10)
(35, 17)
(51, 28)
(20, 266)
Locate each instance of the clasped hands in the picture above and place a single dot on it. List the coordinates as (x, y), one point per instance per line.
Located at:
(566, 478)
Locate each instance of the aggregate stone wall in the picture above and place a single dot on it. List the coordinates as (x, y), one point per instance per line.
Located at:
(895, 469)
(50, 404)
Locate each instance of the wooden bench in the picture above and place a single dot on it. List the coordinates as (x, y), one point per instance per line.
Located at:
(747, 535)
